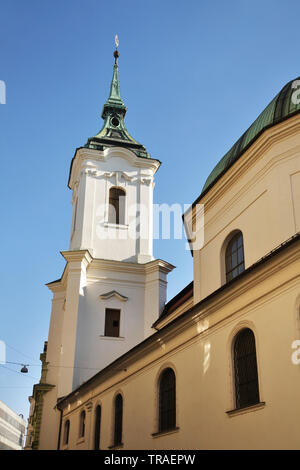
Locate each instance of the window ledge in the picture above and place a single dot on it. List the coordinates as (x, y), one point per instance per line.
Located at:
(116, 338)
(118, 226)
(116, 446)
(246, 409)
(164, 433)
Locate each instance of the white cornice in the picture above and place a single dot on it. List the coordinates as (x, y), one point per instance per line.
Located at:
(95, 264)
(129, 267)
(78, 255)
(156, 264)
(84, 154)
(82, 256)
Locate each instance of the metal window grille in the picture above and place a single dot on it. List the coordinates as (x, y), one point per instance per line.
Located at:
(118, 420)
(245, 367)
(97, 427)
(67, 432)
(167, 400)
(82, 424)
(235, 257)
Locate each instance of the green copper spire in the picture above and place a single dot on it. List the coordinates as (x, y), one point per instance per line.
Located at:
(115, 94)
(114, 104)
(114, 132)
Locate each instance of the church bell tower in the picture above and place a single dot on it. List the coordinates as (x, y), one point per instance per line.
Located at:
(112, 182)
(112, 289)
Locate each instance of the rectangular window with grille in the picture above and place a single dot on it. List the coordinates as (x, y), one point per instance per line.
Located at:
(112, 322)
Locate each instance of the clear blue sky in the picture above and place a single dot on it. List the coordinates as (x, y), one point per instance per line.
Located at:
(194, 75)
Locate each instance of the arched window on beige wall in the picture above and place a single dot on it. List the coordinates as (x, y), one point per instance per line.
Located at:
(245, 369)
(116, 209)
(118, 428)
(97, 427)
(167, 400)
(234, 256)
(82, 424)
(66, 432)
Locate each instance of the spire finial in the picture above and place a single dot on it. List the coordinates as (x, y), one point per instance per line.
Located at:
(116, 53)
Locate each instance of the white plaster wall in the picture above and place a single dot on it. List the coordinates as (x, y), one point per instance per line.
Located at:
(94, 351)
(94, 175)
(146, 294)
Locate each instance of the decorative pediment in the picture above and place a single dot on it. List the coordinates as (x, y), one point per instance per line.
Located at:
(113, 293)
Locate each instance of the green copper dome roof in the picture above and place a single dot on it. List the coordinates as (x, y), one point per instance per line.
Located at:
(281, 107)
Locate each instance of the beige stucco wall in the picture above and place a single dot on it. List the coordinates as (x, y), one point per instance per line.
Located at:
(259, 195)
(48, 437)
(198, 347)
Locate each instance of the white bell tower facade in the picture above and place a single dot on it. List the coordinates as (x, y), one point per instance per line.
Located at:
(112, 289)
(113, 204)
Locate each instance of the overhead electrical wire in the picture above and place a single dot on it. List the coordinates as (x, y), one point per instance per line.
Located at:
(19, 352)
(52, 365)
(39, 365)
(17, 372)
